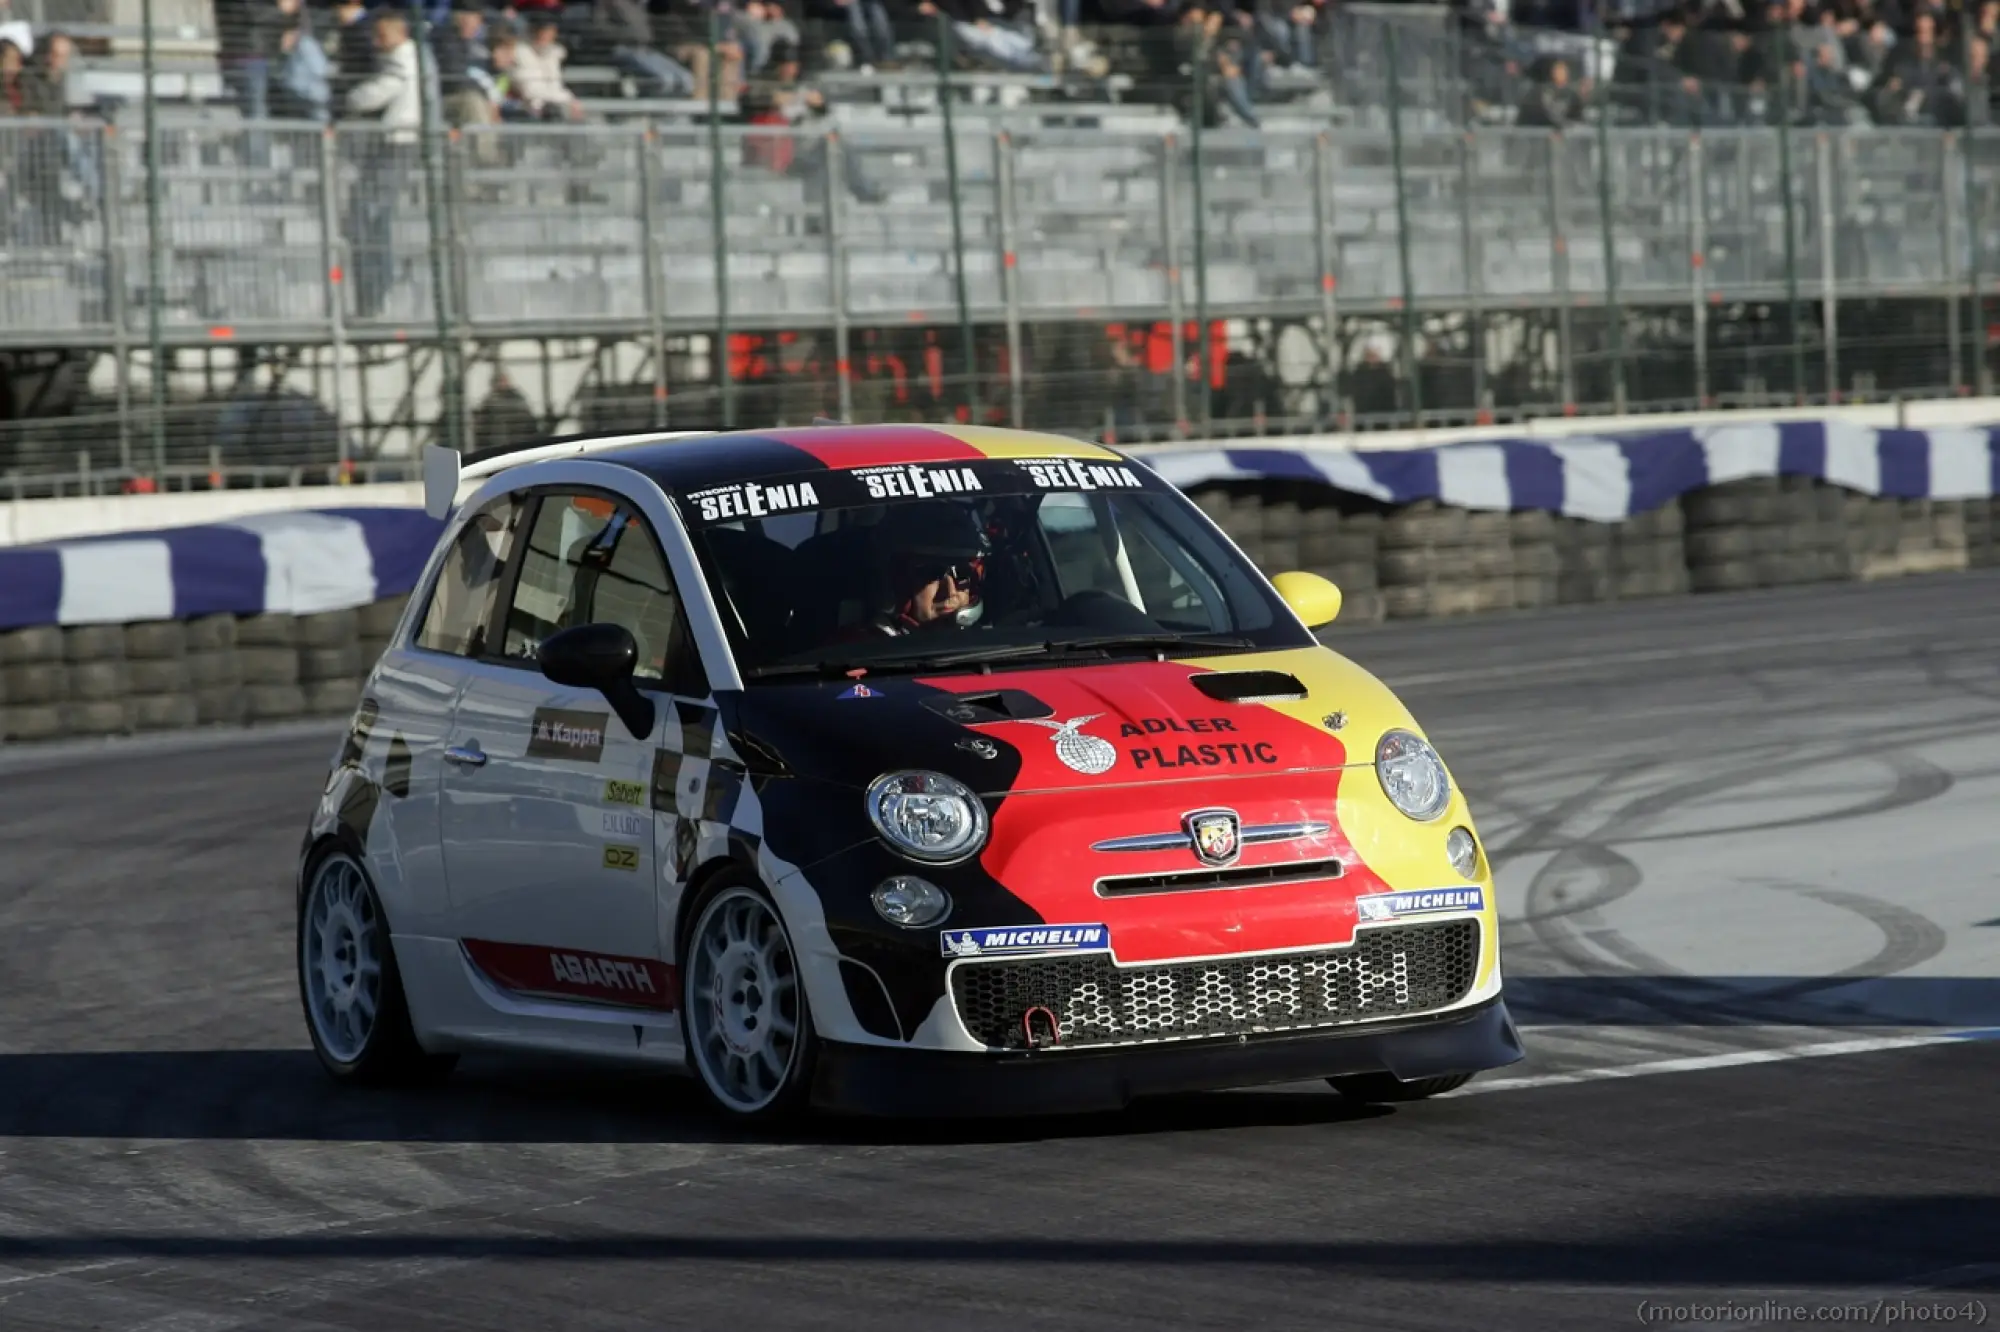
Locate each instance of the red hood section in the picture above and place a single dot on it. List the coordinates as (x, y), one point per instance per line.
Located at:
(1143, 722)
(1154, 748)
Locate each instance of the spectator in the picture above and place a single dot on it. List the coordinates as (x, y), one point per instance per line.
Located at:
(304, 83)
(626, 27)
(870, 36)
(1552, 103)
(758, 26)
(350, 44)
(1916, 81)
(391, 99)
(684, 34)
(538, 81)
(994, 32)
(463, 60)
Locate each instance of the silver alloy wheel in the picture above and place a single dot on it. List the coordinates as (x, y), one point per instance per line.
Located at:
(340, 956)
(743, 1000)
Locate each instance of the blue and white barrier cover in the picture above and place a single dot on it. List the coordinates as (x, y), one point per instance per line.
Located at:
(1611, 478)
(297, 562)
(307, 561)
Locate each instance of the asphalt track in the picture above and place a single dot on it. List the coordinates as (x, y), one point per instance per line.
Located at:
(1747, 847)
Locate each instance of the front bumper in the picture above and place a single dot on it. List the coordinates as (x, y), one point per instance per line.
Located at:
(884, 1080)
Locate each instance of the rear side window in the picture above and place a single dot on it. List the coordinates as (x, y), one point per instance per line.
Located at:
(462, 602)
(594, 561)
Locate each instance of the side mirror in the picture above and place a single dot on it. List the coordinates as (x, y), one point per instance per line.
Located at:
(600, 657)
(1312, 598)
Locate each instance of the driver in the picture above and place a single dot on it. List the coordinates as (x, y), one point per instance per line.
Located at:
(931, 567)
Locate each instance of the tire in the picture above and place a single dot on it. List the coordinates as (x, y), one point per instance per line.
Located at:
(745, 968)
(1387, 1088)
(340, 923)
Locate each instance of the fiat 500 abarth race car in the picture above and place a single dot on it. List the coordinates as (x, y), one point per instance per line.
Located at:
(887, 770)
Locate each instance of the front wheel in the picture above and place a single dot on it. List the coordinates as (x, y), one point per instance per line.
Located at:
(348, 981)
(1386, 1088)
(750, 1037)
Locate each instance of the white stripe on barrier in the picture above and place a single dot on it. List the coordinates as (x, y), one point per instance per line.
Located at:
(1853, 457)
(1474, 476)
(312, 562)
(1961, 464)
(116, 582)
(1738, 452)
(1597, 481)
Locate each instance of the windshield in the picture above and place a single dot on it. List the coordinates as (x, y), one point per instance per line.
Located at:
(922, 566)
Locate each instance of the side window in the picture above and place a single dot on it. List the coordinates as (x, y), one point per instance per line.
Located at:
(469, 584)
(592, 560)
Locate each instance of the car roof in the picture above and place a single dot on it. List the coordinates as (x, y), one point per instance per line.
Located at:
(691, 462)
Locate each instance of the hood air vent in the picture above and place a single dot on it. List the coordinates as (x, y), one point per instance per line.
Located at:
(1248, 686)
(999, 705)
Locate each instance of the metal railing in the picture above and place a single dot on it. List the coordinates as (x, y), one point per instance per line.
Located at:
(990, 268)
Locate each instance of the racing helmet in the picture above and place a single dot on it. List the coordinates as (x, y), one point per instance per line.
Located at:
(919, 543)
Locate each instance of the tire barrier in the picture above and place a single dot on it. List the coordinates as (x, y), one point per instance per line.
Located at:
(84, 681)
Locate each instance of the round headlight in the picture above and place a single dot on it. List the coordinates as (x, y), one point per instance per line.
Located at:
(927, 816)
(1412, 775)
(1464, 852)
(909, 901)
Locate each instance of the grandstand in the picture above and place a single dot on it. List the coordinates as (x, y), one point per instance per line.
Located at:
(1406, 220)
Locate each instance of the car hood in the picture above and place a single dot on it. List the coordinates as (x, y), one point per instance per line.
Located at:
(1095, 727)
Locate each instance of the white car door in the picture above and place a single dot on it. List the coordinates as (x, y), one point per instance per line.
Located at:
(547, 816)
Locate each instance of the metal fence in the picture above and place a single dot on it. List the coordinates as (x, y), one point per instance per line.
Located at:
(1387, 275)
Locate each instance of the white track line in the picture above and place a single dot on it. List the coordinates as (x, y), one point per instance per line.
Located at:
(1732, 1059)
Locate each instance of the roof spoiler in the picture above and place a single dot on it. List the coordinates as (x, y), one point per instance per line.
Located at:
(445, 470)
(441, 468)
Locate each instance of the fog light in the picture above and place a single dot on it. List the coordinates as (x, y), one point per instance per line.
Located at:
(1464, 852)
(909, 901)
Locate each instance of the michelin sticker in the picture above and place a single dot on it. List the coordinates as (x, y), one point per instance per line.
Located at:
(1429, 902)
(1012, 940)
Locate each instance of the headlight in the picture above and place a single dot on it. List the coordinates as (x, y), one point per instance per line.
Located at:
(909, 901)
(1412, 775)
(927, 816)
(1464, 852)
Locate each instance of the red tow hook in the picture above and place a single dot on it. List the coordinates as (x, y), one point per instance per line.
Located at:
(1035, 1042)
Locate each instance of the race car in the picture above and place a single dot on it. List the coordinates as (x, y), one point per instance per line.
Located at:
(885, 770)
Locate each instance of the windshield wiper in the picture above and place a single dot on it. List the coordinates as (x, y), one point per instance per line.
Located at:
(831, 670)
(1056, 647)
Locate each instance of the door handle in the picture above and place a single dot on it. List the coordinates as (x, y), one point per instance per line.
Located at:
(468, 755)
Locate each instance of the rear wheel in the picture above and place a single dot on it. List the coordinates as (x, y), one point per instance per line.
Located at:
(349, 984)
(1385, 1088)
(750, 1035)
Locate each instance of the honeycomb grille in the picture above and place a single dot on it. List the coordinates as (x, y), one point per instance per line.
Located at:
(1387, 972)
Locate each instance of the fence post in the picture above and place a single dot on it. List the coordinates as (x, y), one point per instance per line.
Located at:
(1170, 228)
(1475, 276)
(1697, 187)
(1948, 239)
(1195, 129)
(1329, 309)
(836, 274)
(434, 219)
(1614, 312)
(725, 370)
(335, 280)
(1975, 93)
(1791, 238)
(1005, 205)
(1829, 277)
(649, 268)
(154, 294)
(970, 355)
(1409, 338)
(110, 183)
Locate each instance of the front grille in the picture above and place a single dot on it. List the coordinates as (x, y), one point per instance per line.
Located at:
(1387, 972)
(1256, 876)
